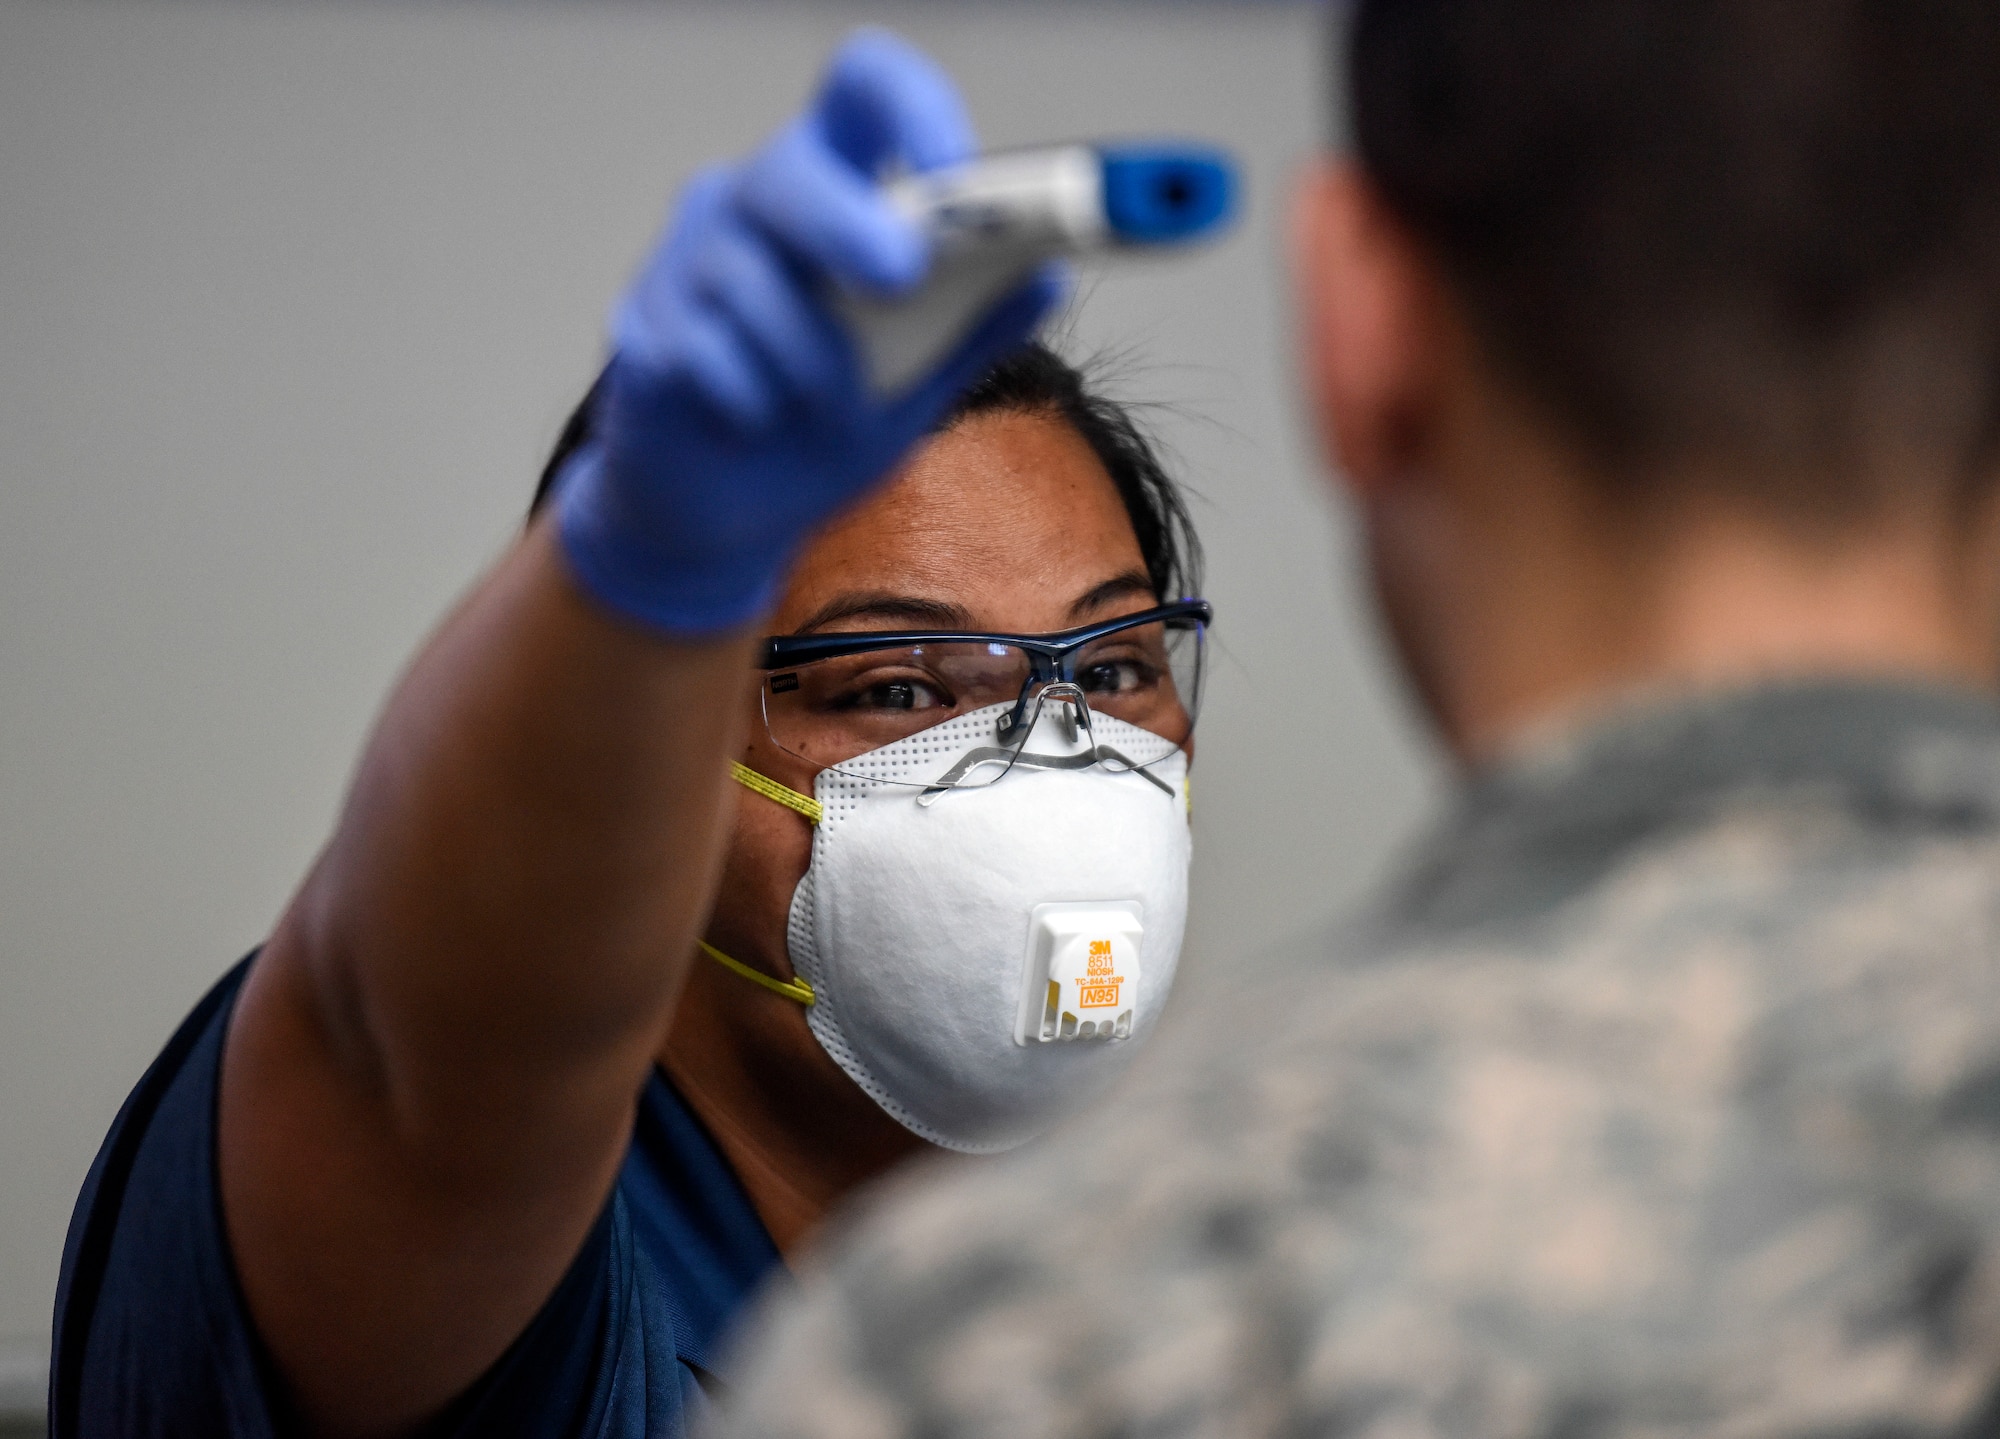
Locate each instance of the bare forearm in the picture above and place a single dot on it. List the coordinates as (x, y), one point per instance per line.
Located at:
(430, 1076)
(531, 837)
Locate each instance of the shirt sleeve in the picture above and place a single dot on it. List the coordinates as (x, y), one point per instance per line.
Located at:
(153, 1338)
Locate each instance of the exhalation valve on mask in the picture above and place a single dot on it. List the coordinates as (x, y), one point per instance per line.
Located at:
(1080, 978)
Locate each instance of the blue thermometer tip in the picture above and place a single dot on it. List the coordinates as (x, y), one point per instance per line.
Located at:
(1158, 194)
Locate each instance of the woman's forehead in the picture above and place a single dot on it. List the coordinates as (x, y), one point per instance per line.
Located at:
(1007, 517)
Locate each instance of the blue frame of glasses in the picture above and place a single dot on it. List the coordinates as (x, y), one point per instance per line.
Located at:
(1051, 654)
(1055, 650)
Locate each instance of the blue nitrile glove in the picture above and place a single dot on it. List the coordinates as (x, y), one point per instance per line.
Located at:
(735, 414)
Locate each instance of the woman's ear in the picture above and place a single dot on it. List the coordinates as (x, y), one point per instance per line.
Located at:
(1371, 307)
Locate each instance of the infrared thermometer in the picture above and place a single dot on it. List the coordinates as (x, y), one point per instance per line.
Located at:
(993, 220)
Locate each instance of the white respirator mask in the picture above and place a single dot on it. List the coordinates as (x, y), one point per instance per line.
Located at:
(983, 958)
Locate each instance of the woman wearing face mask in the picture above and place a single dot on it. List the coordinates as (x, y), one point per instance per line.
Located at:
(806, 788)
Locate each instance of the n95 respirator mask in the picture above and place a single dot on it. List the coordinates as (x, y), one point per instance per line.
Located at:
(983, 960)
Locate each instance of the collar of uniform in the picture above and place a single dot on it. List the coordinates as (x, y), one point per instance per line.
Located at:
(1547, 822)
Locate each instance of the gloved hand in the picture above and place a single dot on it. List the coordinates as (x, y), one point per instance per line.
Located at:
(735, 413)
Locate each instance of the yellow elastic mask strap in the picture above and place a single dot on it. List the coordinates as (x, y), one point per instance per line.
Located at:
(790, 798)
(796, 990)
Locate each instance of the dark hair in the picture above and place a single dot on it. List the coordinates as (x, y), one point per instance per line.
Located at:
(1035, 380)
(1763, 230)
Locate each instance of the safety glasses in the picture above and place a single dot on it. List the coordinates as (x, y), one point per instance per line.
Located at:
(829, 698)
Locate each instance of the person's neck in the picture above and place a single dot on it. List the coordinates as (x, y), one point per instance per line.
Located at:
(1553, 601)
(798, 1133)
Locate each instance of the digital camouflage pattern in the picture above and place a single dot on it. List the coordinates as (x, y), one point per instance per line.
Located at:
(1660, 1097)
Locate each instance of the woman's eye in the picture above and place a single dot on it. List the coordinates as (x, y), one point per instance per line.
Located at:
(1108, 677)
(899, 695)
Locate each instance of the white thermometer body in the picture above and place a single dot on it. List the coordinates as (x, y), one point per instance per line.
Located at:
(993, 220)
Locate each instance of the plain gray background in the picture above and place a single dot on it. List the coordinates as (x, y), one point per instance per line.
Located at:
(293, 298)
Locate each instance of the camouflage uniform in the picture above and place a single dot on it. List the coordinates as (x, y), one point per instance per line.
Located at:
(1661, 1096)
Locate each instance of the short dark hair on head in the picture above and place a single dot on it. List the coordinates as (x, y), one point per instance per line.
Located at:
(1761, 232)
(1036, 380)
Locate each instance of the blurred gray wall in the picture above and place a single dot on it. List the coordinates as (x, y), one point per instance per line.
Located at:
(293, 299)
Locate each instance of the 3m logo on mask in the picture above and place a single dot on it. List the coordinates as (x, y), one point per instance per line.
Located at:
(1080, 979)
(1100, 987)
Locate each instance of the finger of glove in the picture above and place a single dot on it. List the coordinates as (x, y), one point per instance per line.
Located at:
(885, 102)
(772, 306)
(644, 322)
(829, 216)
(716, 360)
(1009, 324)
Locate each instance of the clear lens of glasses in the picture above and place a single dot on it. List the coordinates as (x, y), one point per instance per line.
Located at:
(830, 711)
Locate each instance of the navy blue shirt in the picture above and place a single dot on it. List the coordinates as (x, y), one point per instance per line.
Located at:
(152, 1337)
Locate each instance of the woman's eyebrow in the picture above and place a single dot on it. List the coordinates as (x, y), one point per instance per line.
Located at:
(912, 611)
(884, 609)
(1133, 584)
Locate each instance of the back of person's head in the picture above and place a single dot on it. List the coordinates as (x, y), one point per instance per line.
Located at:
(1752, 238)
